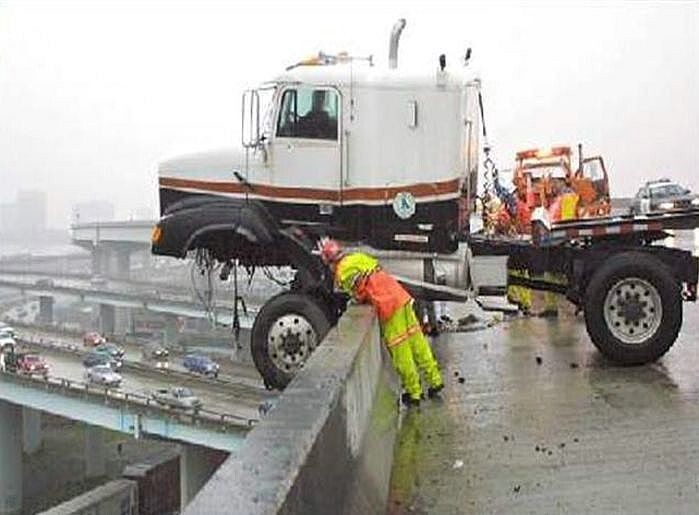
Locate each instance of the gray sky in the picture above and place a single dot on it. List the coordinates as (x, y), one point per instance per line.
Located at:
(92, 95)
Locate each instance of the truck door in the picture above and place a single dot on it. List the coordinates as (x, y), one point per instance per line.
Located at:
(306, 158)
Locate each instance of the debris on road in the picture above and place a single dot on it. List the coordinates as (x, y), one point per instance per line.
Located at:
(457, 464)
(539, 360)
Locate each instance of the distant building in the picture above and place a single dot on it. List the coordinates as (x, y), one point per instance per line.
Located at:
(93, 211)
(8, 218)
(26, 216)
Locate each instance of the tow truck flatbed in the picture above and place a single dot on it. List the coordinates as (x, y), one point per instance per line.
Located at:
(648, 227)
(636, 228)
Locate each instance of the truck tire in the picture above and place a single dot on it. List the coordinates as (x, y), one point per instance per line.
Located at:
(633, 308)
(286, 331)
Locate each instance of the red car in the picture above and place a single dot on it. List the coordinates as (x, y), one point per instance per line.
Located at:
(32, 364)
(93, 339)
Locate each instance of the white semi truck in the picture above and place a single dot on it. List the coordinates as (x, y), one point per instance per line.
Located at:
(389, 159)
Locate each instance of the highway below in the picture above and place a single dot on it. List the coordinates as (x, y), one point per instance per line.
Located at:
(226, 395)
(231, 371)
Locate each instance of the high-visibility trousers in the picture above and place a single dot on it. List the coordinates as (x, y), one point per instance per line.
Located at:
(520, 295)
(410, 351)
(551, 298)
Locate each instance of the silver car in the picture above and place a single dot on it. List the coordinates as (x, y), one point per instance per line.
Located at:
(177, 397)
(661, 196)
(104, 375)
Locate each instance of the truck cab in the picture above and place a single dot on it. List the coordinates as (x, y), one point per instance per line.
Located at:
(336, 146)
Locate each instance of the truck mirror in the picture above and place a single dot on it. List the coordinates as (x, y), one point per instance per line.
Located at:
(251, 119)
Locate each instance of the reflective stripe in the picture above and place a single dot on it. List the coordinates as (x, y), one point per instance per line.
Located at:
(402, 337)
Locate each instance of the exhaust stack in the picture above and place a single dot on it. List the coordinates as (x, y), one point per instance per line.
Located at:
(393, 47)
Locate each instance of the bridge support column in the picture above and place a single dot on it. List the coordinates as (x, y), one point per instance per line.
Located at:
(123, 321)
(197, 465)
(95, 453)
(107, 319)
(45, 310)
(122, 264)
(10, 459)
(171, 332)
(31, 430)
(99, 261)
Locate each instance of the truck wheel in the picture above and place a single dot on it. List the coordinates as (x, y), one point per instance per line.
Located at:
(633, 308)
(286, 331)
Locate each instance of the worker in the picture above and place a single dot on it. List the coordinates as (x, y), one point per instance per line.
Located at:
(519, 295)
(360, 276)
(317, 123)
(563, 207)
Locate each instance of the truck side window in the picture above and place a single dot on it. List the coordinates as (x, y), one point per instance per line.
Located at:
(308, 113)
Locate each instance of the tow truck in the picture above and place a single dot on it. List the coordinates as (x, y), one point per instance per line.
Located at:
(389, 159)
(536, 170)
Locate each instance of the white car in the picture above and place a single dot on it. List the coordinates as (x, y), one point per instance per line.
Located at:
(6, 339)
(104, 375)
(6, 330)
(177, 397)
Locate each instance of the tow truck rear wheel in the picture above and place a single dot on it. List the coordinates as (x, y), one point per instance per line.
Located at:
(286, 331)
(633, 308)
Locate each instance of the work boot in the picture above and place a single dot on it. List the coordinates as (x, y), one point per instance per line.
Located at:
(433, 391)
(408, 401)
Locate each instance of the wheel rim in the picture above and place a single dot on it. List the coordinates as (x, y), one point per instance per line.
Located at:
(290, 341)
(633, 310)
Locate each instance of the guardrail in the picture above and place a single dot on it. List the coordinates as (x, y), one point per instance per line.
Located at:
(327, 446)
(89, 391)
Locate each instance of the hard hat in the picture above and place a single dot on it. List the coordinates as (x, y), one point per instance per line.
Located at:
(330, 250)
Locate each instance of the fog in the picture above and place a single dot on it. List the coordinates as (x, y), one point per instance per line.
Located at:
(92, 96)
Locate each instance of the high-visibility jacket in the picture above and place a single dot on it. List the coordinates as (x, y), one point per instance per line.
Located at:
(360, 275)
(563, 207)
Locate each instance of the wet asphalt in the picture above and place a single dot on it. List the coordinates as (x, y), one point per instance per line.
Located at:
(535, 420)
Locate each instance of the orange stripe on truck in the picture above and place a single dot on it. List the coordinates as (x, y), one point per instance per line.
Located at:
(426, 189)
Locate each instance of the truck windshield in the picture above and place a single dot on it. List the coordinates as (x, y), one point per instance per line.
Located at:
(540, 171)
(667, 190)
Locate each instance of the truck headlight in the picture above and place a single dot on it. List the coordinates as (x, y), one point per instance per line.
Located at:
(695, 202)
(666, 205)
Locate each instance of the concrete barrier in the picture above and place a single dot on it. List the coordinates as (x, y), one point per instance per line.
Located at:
(327, 446)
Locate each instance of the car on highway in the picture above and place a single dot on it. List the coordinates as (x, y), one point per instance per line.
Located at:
(156, 353)
(6, 339)
(177, 397)
(7, 330)
(155, 350)
(104, 375)
(98, 281)
(32, 364)
(662, 195)
(110, 349)
(94, 359)
(200, 364)
(93, 339)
